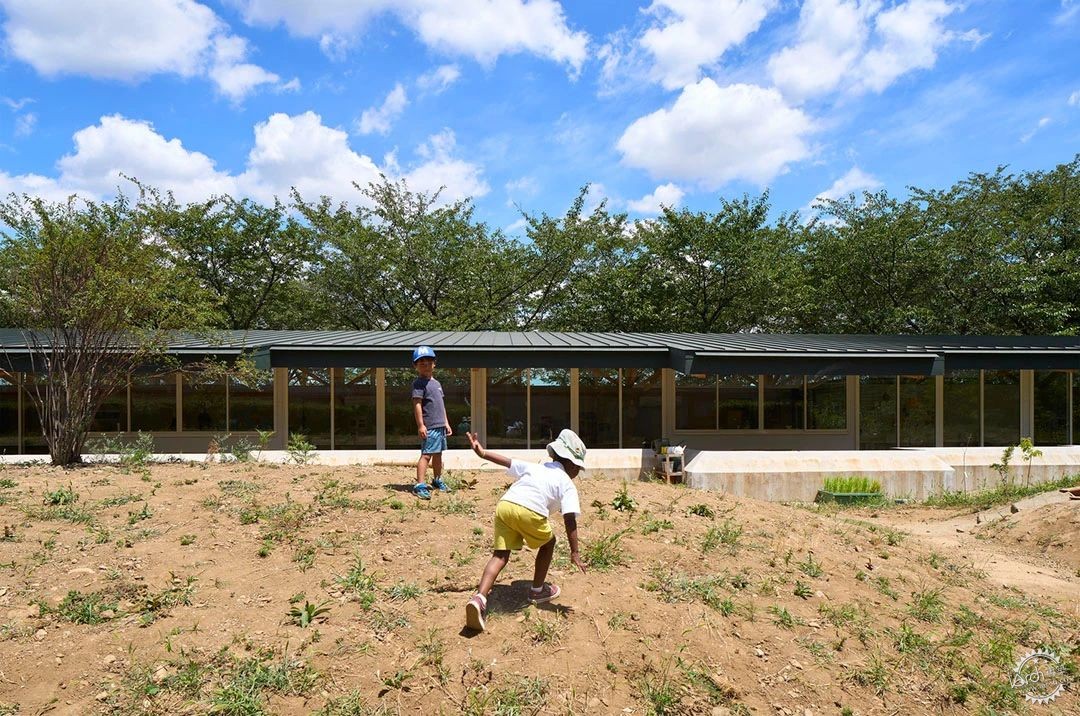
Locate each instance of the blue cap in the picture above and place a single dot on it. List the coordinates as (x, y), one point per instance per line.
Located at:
(423, 352)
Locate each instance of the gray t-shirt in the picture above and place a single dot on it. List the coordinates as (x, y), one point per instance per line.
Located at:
(430, 393)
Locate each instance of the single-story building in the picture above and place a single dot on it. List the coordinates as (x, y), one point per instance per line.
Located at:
(350, 390)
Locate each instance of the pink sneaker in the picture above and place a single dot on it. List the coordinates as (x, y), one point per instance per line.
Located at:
(544, 594)
(476, 613)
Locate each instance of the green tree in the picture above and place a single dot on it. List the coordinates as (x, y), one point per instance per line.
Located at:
(253, 259)
(95, 293)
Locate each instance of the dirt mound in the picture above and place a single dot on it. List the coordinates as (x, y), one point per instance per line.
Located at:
(265, 589)
(1052, 531)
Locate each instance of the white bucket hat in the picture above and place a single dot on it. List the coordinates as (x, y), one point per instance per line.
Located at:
(568, 445)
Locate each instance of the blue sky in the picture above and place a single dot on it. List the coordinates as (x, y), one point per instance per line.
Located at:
(521, 102)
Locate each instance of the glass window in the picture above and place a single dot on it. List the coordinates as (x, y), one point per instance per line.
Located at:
(641, 401)
(918, 411)
(826, 402)
(153, 402)
(203, 404)
(33, 439)
(737, 402)
(695, 402)
(251, 404)
(784, 402)
(9, 413)
(354, 408)
(112, 416)
(1051, 407)
(400, 425)
(960, 401)
(1076, 408)
(549, 398)
(507, 407)
(1001, 407)
(457, 395)
(309, 405)
(598, 407)
(877, 412)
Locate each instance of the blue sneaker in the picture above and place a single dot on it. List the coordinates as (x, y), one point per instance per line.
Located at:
(422, 491)
(443, 487)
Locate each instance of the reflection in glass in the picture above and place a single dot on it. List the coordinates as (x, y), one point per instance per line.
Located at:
(917, 411)
(112, 416)
(877, 412)
(507, 407)
(354, 408)
(457, 388)
(695, 402)
(1051, 407)
(598, 406)
(1001, 407)
(309, 405)
(960, 399)
(826, 402)
(251, 406)
(549, 398)
(9, 413)
(153, 402)
(1076, 408)
(641, 396)
(737, 402)
(783, 402)
(203, 404)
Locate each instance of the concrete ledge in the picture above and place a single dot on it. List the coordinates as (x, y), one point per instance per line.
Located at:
(974, 471)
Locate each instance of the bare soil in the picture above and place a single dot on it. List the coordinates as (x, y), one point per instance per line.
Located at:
(168, 589)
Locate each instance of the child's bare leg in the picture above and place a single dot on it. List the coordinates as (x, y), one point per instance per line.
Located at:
(543, 562)
(436, 465)
(421, 468)
(498, 560)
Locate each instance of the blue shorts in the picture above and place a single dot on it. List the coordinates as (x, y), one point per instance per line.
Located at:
(435, 441)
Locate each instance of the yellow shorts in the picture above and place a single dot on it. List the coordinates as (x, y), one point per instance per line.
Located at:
(515, 524)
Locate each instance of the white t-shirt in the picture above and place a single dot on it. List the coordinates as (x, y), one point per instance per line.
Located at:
(542, 487)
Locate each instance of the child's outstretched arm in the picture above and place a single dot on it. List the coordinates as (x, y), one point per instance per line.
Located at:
(486, 454)
(570, 523)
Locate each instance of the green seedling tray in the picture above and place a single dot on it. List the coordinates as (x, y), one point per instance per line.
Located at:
(848, 498)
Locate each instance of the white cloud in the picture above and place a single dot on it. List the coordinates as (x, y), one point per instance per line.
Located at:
(130, 40)
(854, 181)
(289, 151)
(1069, 10)
(668, 195)
(831, 38)
(713, 135)
(16, 104)
(439, 79)
(523, 186)
(481, 29)
(440, 171)
(691, 34)
(1074, 99)
(24, 124)
(300, 151)
(117, 147)
(378, 120)
(862, 45)
(1043, 122)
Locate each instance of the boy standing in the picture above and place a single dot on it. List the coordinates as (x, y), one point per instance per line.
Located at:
(429, 410)
(522, 517)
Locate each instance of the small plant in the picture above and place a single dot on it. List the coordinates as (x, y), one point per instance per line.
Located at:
(810, 567)
(701, 510)
(542, 630)
(186, 540)
(6, 483)
(143, 514)
(404, 591)
(726, 534)
(622, 502)
(308, 614)
(605, 552)
(802, 590)
(264, 441)
(652, 526)
(85, 608)
(1029, 452)
(1002, 469)
(928, 605)
(850, 484)
(241, 450)
(300, 450)
(783, 618)
(359, 583)
(61, 496)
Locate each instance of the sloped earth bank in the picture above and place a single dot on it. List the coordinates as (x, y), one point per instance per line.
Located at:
(167, 589)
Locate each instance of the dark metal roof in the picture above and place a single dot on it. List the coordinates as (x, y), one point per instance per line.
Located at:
(686, 352)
